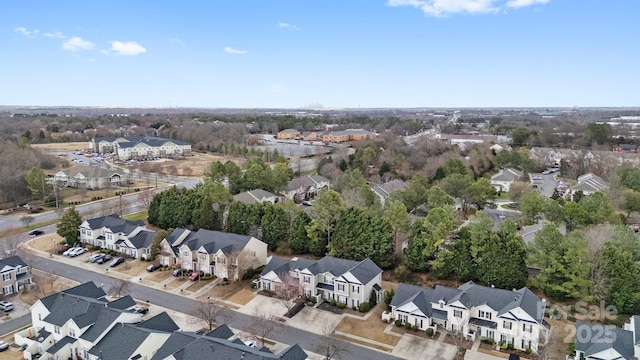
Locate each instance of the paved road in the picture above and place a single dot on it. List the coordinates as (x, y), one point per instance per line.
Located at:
(15, 324)
(285, 334)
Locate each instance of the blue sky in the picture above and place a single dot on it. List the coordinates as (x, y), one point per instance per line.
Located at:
(338, 53)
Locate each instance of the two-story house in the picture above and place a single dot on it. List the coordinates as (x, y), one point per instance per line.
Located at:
(68, 323)
(504, 178)
(80, 323)
(140, 147)
(111, 232)
(89, 177)
(15, 275)
(384, 190)
(305, 187)
(346, 281)
(511, 317)
(589, 183)
(255, 196)
(224, 255)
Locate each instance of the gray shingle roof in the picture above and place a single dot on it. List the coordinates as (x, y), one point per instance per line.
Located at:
(617, 339)
(364, 270)
(507, 174)
(90, 172)
(60, 344)
(387, 188)
(471, 295)
(212, 241)
(114, 223)
(134, 140)
(160, 322)
(122, 303)
(120, 342)
(143, 239)
(221, 332)
(590, 183)
(13, 261)
(253, 196)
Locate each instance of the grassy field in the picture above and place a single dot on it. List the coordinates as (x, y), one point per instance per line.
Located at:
(139, 216)
(372, 328)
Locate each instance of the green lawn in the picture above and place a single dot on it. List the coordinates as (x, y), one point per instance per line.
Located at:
(139, 216)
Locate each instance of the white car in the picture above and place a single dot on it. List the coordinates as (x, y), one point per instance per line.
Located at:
(78, 251)
(6, 306)
(3, 345)
(69, 251)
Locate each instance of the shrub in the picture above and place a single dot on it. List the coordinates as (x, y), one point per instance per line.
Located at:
(373, 298)
(430, 332)
(388, 296)
(364, 307)
(398, 323)
(332, 302)
(313, 299)
(341, 305)
(414, 327)
(489, 341)
(407, 326)
(510, 346)
(354, 308)
(571, 318)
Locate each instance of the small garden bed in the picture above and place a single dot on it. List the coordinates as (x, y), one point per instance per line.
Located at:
(327, 307)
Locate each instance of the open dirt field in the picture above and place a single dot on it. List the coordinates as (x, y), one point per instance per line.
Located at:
(195, 165)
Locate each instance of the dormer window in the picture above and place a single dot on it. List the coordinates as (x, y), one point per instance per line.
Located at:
(484, 314)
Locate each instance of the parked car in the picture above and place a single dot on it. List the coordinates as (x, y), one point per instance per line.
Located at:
(140, 310)
(95, 257)
(196, 275)
(116, 261)
(153, 267)
(306, 203)
(6, 306)
(3, 345)
(103, 259)
(34, 233)
(69, 251)
(78, 251)
(179, 272)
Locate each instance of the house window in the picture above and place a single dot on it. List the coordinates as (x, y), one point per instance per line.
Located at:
(484, 314)
(525, 344)
(72, 333)
(56, 329)
(457, 313)
(186, 253)
(307, 279)
(340, 287)
(506, 325)
(6, 276)
(527, 328)
(8, 289)
(355, 289)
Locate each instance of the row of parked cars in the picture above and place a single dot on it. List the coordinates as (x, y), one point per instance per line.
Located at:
(99, 258)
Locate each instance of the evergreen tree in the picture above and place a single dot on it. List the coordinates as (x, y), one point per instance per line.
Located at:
(69, 224)
(299, 239)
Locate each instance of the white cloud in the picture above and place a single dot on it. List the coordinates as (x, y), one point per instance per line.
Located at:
(524, 3)
(448, 7)
(128, 48)
(178, 42)
(57, 35)
(26, 32)
(284, 25)
(77, 44)
(231, 50)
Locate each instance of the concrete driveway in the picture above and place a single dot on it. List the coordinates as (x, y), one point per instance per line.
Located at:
(413, 347)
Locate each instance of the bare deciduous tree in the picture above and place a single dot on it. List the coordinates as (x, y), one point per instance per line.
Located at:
(119, 287)
(331, 347)
(289, 291)
(146, 197)
(9, 244)
(261, 325)
(209, 312)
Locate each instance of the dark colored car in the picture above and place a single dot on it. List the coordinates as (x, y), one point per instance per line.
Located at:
(35, 233)
(196, 275)
(103, 259)
(153, 267)
(179, 272)
(116, 261)
(140, 310)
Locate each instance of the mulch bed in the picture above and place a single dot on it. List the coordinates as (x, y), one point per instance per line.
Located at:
(327, 307)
